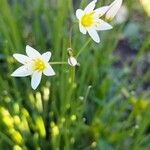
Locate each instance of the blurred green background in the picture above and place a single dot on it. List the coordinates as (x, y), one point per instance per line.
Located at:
(105, 107)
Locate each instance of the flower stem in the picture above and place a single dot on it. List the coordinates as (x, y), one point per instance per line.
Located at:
(70, 37)
(58, 63)
(72, 76)
(83, 48)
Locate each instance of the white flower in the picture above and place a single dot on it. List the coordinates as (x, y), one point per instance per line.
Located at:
(34, 64)
(113, 9)
(122, 16)
(89, 20)
(72, 61)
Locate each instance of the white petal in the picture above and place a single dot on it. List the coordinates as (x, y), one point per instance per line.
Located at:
(82, 29)
(22, 71)
(31, 52)
(49, 71)
(46, 56)
(36, 79)
(21, 58)
(122, 15)
(101, 11)
(103, 25)
(94, 35)
(113, 9)
(90, 7)
(72, 61)
(79, 13)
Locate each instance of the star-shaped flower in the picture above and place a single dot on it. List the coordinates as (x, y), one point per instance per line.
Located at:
(89, 18)
(33, 64)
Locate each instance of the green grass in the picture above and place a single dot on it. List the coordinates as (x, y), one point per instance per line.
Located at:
(95, 106)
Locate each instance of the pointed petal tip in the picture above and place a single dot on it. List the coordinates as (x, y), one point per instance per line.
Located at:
(22, 71)
(46, 56)
(90, 7)
(12, 75)
(14, 54)
(16, 75)
(54, 74)
(28, 46)
(31, 52)
(36, 79)
(94, 35)
(34, 88)
(98, 41)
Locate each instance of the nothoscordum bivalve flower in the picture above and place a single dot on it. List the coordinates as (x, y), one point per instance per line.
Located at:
(33, 64)
(89, 20)
(113, 9)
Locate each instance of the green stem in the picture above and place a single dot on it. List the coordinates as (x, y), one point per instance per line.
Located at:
(6, 138)
(83, 48)
(72, 76)
(58, 63)
(70, 37)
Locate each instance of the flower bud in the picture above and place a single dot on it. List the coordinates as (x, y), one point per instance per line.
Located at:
(113, 9)
(72, 61)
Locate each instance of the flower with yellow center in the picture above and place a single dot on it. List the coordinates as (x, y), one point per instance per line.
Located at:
(39, 65)
(34, 64)
(89, 19)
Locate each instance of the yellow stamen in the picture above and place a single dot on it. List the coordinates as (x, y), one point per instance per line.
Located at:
(38, 65)
(108, 19)
(87, 19)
